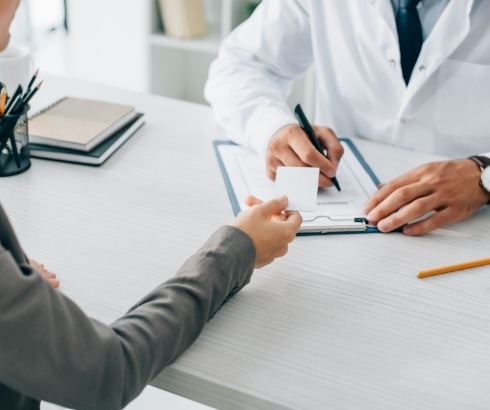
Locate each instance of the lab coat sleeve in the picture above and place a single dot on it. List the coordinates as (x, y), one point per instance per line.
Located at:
(249, 82)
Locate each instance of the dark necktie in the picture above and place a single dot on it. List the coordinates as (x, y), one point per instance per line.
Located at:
(409, 35)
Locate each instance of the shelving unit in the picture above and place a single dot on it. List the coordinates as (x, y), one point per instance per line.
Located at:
(178, 68)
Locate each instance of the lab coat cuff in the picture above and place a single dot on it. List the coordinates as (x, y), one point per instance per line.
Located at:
(268, 125)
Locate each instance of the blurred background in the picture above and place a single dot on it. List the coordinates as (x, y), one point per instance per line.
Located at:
(124, 43)
(101, 41)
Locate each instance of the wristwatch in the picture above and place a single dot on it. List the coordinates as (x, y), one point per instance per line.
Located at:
(484, 164)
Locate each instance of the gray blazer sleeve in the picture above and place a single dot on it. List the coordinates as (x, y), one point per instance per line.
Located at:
(50, 350)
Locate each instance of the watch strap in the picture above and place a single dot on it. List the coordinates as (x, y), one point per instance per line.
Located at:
(482, 162)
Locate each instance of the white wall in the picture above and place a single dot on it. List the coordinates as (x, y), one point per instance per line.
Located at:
(107, 41)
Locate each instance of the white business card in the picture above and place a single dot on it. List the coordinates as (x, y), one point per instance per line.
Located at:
(300, 184)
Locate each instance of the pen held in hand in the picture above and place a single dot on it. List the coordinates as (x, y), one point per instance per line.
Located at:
(452, 268)
(308, 130)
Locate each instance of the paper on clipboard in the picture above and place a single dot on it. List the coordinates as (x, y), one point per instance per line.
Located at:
(244, 173)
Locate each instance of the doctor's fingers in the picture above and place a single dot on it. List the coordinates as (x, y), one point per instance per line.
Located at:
(308, 154)
(410, 215)
(391, 207)
(304, 154)
(449, 212)
(331, 143)
(290, 158)
(271, 164)
(290, 146)
(431, 219)
(454, 181)
(284, 152)
(435, 207)
(386, 189)
(436, 220)
(452, 205)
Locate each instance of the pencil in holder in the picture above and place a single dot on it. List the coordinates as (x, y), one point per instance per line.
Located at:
(14, 144)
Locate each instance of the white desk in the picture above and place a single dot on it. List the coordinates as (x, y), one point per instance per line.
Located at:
(340, 322)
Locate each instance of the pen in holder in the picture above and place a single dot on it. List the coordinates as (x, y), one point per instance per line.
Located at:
(14, 143)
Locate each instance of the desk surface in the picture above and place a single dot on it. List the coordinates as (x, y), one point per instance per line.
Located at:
(340, 322)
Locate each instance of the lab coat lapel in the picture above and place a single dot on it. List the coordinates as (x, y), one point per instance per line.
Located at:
(385, 10)
(448, 33)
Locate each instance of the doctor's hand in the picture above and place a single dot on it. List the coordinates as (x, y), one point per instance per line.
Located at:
(269, 226)
(290, 146)
(449, 190)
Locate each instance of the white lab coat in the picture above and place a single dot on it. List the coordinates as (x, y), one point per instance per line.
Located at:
(353, 44)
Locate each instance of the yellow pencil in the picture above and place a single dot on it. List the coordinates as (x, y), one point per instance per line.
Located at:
(452, 268)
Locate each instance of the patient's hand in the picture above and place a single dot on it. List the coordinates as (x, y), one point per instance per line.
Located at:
(270, 227)
(49, 276)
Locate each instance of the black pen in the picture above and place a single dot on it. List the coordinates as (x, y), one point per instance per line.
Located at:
(306, 127)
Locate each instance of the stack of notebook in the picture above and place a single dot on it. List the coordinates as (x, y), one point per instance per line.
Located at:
(81, 130)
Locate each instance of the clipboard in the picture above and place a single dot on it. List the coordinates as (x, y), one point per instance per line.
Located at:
(244, 173)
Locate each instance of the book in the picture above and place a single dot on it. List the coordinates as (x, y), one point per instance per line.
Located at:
(244, 173)
(183, 18)
(97, 155)
(78, 123)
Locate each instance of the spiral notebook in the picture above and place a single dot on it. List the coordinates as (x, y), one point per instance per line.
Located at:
(78, 123)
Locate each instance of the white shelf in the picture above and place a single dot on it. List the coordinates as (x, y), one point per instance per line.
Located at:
(179, 67)
(207, 44)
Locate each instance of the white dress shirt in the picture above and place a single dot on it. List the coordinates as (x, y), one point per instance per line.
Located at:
(360, 91)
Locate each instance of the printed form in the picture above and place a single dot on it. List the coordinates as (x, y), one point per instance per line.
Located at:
(335, 212)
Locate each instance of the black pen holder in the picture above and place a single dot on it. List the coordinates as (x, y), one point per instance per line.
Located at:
(14, 144)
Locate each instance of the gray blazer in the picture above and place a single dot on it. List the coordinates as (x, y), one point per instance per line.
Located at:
(50, 350)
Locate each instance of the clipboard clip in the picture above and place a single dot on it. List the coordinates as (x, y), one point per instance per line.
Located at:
(365, 222)
(344, 224)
